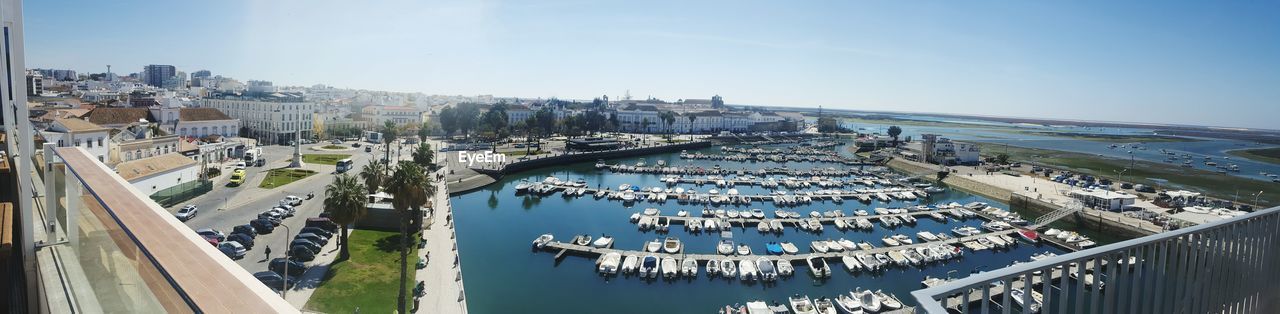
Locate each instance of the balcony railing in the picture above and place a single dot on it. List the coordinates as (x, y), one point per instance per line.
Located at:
(1225, 266)
(123, 253)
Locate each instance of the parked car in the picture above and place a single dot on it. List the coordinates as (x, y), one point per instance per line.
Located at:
(240, 165)
(368, 149)
(243, 239)
(335, 142)
(245, 229)
(186, 212)
(314, 247)
(318, 239)
(274, 212)
(212, 233)
(211, 239)
(274, 280)
(1126, 185)
(263, 226)
(260, 162)
(1144, 188)
(301, 254)
(291, 200)
(318, 231)
(323, 223)
(287, 210)
(278, 264)
(356, 144)
(232, 249)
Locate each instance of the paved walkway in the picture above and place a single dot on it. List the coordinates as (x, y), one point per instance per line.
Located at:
(443, 274)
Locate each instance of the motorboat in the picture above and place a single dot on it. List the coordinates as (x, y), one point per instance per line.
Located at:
(650, 211)
(603, 242)
(630, 263)
(903, 239)
(756, 307)
(653, 246)
(802, 305)
(762, 226)
(523, 186)
(689, 267)
(1029, 235)
(1052, 232)
(890, 241)
(824, 306)
(870, 301)
(819, 246)
(926, 236)
(747, 270)
(776, 226)
(682, 213)
(583, 240)
(669, 268)
(785, 268)
(850, 263)
(743, 249)
(818, 267)
(609, 263)
(713, 268)
(789, 248)
(1036, 299)
(773, 248)
(542, 240)
(848, 304)
(757, 213)
(728, 268)
(649, 266)
(847, 244)
(671, 245)
(834, 246)
(888, 302)
(725, 247)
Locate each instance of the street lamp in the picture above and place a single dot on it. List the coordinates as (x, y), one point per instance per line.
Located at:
(284, 284)
(1255, 200)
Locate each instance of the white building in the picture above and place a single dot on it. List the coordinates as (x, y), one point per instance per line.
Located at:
(270, 120)
(941, 150)
(154, 174)
(66, 132)
(399, 115)
(196, 122)
(1103, 199)
(639, 118)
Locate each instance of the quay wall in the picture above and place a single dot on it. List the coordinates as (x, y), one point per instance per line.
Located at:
(526, 165)
(1020, 202)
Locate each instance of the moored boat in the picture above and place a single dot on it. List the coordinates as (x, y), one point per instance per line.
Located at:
(802, 305)
(818, 266)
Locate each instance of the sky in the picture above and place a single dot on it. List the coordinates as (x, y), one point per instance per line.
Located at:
(1178, 62)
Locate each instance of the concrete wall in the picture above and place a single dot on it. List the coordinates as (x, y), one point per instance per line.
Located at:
(158, 182)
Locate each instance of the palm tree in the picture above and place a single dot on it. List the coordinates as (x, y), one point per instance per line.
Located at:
(409, 185)
(346, 203)
(373, 175)
(692, 118)
(388, 136)
(423, 155)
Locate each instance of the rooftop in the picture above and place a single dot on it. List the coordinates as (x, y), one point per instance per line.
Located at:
(202, 114)
(142, 168)
(77, 125)
(109, 116)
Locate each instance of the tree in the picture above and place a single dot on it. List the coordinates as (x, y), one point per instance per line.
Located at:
(692, 117)
(494, 122)
(424, 156)
(373, 175)
(1002, 158)
(448, 120)
(668, 118)
(389, 134)
(894, 131)
(346, 203)
(644, 122)
(409, 187)
(467, 117)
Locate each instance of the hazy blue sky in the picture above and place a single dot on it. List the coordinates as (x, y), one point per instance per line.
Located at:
(1196, 62)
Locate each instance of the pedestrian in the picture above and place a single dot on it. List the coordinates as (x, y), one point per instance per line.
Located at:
(268, 252)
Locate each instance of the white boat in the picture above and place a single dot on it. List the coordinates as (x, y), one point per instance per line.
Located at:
(682, 213)
(669, 268)
(630, 264)
(870, 302)
(776, 226)
(653, 246)
(689, 267)
(609, 263)
(889, 241)
(903, 239)
(713, 268)
(824, 306)
(1052, 232)
(785, 268)
(850, 263)
(1036, 299)
(542, 240)
(802, 305)
(743, 249)
(523, 186)
(651, 211)
(763, 227)
(888, 302)
(789, 248)
(926, 236)
(671, 245)
(728, 269)
(758, 307)
(747, 270)
(847, 244)
(848, 304)
(834, 246)
(766, 268)
(725, 247)
(649, 266)
(757, 213)
(818, 267)
(628, 196)
(819, 246)
(602, 242)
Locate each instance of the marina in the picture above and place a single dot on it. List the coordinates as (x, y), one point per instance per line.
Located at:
(496, 231)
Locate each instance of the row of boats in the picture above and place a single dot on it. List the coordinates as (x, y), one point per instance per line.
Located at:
(640, 167)
(857, 301)
(774, 183)
(778, 158)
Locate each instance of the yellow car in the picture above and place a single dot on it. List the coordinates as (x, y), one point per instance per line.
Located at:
(237, 177)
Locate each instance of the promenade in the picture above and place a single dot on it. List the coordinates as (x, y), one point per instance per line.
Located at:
(443, 275)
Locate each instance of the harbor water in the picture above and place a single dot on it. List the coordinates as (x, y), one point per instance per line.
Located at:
(503, 274)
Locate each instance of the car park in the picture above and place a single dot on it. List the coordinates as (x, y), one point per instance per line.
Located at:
(212, 233)
(232, 249)
(245, 229)
(262, 226)
(273, 280)
(314, 247)
(243, 239)
(301, 254)
(186, 212)
(318, 239)
(295, 268)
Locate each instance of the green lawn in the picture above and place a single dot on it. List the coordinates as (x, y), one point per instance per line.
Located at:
(331, 146)
(1271, 155)
(278, 177)
(324, 159)
(1165, 175)
(368, 281)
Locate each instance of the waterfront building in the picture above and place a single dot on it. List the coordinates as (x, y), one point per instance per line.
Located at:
(941, 150)
(1103, 199)
(271, 118)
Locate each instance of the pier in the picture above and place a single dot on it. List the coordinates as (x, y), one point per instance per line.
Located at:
(825, 220)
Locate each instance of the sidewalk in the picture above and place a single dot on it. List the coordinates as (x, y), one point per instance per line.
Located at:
(443, 274)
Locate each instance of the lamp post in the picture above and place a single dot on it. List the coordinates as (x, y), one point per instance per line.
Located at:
(284, 284)
(1255, 200)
